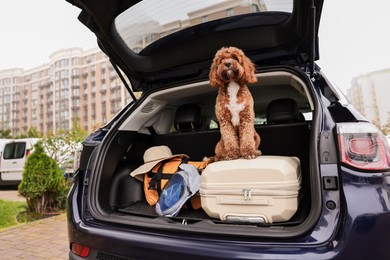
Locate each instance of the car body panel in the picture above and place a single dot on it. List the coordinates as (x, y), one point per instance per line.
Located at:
(358, 226)
(348, 207)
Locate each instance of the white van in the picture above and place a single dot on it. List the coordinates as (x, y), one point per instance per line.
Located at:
(13, 157)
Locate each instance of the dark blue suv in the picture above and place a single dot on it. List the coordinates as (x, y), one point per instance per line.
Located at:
(162, 51)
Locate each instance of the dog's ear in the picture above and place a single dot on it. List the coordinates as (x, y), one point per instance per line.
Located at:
(215, 81)
(249, 70)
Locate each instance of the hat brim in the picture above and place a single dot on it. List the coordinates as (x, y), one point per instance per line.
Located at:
(148, 166)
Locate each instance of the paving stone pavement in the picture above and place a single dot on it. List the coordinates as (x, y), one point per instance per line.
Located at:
(41, 239)
(11, 194)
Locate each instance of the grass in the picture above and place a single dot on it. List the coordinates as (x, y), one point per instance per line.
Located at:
(9, 211)
(13, 213)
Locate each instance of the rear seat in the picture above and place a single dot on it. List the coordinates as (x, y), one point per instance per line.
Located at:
(284, 110)
(190, 137)
(286, 133)
(188, 118)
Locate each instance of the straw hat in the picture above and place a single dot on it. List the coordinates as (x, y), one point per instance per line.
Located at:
(152, 157)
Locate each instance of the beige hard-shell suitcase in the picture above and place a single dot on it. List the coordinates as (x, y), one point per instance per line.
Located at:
(261, 190)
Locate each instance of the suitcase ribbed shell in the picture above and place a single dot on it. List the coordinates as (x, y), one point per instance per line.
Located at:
(262, 190)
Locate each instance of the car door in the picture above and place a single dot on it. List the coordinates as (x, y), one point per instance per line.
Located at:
(12, 160)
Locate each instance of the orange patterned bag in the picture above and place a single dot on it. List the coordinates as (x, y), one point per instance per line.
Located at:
(157, 178)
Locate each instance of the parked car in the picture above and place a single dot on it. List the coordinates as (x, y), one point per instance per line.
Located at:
(164, 49)
(14, 153)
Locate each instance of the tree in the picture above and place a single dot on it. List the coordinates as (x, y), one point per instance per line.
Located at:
(64, 146)
(43, 184)
(77, 133)
(31, 132)
(6, 133)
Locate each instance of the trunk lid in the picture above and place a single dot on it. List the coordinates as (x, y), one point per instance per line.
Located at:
(156, 43)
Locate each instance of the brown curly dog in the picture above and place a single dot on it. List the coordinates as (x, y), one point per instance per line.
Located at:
(230, 71)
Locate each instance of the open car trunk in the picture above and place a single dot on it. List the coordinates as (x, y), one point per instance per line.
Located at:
(117, 197)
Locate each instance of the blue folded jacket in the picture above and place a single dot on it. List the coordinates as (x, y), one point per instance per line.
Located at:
(182, 186)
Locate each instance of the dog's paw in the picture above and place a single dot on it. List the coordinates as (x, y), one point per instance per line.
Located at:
(229, 158)
(250, 156)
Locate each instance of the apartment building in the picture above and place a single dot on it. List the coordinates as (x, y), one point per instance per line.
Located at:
(369, 94)
(74, 85)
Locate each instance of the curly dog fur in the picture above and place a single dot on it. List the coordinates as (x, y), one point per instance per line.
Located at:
(230, 71)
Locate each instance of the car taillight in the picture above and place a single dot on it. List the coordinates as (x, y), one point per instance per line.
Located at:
(80, 250)
(363, 146)
(28, 152)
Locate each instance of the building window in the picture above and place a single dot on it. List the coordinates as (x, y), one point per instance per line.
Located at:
(255, 8)
(205, 19)
(64, 74)
(229, 12)
(75, 72)
(64, 83)
(75, 92)
(149, 38)
(137, 49)
(76, 82)
(62, 63)
(75, 61)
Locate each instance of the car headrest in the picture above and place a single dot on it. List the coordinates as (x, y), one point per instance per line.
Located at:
(188, 118)
(284, 110)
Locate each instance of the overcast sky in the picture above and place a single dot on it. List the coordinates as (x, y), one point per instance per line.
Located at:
(354, 35)
(31, 30)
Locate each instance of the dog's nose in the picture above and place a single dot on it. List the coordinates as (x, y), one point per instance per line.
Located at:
(228, 64)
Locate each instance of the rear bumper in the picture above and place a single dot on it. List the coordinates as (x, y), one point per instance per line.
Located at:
(367, 239)
(362, 231)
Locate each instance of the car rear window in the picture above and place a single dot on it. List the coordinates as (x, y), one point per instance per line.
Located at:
(150, 20)
(14, 150)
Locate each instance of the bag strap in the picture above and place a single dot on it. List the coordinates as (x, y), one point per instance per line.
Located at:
(155, 182)
(184, 160)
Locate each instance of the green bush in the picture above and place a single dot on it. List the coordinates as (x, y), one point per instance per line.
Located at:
(43, 184)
